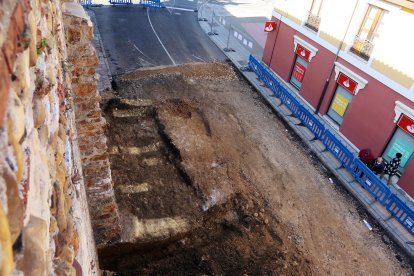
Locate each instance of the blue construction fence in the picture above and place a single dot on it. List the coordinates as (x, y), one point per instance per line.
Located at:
(120, 2)
(156, 4)
(365, 177)
(145, 3)
(86, 3)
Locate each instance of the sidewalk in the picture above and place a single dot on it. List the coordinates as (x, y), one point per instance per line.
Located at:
(102, 69)
(247, 30)
(240, 57)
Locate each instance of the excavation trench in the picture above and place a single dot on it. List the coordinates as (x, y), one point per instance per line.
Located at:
(185, 205)
(208, 181)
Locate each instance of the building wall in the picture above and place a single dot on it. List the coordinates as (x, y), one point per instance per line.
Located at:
(316, 73)
(390, 62)
(369, 119)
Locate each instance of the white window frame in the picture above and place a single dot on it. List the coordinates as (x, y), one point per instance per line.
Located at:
(340, 68)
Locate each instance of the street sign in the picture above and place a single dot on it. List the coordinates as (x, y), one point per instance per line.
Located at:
(270, 26)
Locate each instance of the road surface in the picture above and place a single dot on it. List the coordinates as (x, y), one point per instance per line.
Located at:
(135, 37)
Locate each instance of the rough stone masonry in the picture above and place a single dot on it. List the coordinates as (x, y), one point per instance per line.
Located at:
(53, 161)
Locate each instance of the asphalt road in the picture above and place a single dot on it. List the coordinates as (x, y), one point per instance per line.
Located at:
(135, 37)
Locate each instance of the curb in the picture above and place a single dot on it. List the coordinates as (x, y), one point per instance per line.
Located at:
(100, 52)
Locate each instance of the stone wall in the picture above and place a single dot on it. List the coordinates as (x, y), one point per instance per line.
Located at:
(82, 60)
(47, 90)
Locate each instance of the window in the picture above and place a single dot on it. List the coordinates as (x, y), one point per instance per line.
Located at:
(298, 72)
(363, 43)
(302, 58)
(314, 20)
(339, 104)
(316, 7)
(402, 141)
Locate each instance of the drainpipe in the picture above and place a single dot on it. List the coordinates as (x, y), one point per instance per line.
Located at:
(333, 63)
(277, 33)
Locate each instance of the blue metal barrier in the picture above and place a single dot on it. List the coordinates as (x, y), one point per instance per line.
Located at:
(156, 4)
(342, 153)
(120, 2)
(312, 123)
(277, 87)
(374, 185)
(290, 101)
(86, 3)
(255, 66)
(370, 181)
(401, 212)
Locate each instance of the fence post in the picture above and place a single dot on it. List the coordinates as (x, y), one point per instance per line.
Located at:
(201, 18)
(211, 29)
(227, 49)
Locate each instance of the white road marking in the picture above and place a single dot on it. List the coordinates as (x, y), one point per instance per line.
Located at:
(199, 58)
(143, 61)
(136, 47)
(165, 49)
(180, 9)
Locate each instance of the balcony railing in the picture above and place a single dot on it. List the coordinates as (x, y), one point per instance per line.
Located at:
(313, 21)
(362, 47)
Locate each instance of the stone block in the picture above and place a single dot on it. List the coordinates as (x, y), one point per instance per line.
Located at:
(34, 247)
(23, 74)
(16, 119)
(9, 48)
(85, 89)
(60, 206)
(39, 112)
(75, 242)
(31, 21)
(63, 268)
(85, 61)
(82, 71)
(14, 205)
(44, 134)
(43, 87)
(6, 252)
(73, 35)
(4, 88)
(53, 226)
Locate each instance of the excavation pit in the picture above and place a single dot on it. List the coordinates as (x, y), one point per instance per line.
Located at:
(209, 182)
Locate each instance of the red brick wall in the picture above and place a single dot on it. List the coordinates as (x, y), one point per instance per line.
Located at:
(90, 123)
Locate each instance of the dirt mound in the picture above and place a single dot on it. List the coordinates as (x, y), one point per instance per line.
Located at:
(193, 70)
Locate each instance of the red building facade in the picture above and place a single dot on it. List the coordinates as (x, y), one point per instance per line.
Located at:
(366, 106)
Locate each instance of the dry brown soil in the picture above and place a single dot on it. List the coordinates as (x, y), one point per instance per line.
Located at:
(207, 150)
